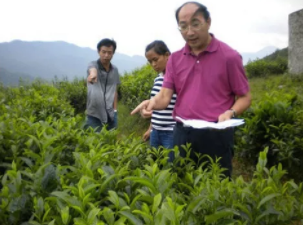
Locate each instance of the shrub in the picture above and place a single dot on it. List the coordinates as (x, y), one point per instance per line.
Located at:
(74, 92)
(58, 173)
(136, 86)
(262, 68)
(274, 122)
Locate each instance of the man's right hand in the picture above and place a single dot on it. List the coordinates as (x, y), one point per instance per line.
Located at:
(93, 76)
(145, 109)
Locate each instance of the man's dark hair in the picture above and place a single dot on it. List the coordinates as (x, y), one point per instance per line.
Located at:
(158, 46)
(201, 9)
(106, 42)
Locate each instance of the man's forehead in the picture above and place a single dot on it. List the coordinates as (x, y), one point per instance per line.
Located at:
(107, 48)
(189, 13)
(188, 9)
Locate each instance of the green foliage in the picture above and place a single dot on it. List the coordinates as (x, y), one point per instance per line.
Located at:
(127, 183)
(136, 86)
(74, 92)
(29, 116)
(273, 64)
(128, 125)
(262, 67)
(37, 101)
(274, 122)
(57, 173)
(282, 53)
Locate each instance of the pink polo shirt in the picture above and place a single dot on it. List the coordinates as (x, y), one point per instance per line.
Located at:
(206, 85)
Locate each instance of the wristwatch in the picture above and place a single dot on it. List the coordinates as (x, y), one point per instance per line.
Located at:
(234, 113)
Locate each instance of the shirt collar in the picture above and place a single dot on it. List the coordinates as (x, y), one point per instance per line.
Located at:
(101, 67)
(212, 46)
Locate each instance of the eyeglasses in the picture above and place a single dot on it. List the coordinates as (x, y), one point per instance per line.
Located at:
(195, 26)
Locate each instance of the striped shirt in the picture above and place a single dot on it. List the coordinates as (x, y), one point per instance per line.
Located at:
(162, 119)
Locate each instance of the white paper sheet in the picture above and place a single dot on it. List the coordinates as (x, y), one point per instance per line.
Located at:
(203, 124)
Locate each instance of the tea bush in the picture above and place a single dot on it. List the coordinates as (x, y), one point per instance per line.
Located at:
(127, 183)
(136, 86)
(57, 173)
(23, 112)
(74, 92)
(262, 67)
(275, 122)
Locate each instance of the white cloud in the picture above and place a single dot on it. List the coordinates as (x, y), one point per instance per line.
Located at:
(245, 25)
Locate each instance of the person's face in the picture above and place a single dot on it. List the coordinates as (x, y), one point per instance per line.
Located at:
(158, 62)
(193, 27)
(106, 54)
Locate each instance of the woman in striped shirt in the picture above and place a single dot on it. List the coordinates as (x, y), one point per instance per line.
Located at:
(162, 124)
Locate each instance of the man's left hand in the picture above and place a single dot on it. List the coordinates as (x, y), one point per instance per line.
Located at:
(227, 115)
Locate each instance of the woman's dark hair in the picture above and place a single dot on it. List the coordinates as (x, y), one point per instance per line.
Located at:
(201, 9)
(158, 46)
(107, 42)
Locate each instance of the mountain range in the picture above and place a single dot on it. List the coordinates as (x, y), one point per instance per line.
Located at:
(49, 59)
(29, 60)
(246, 56)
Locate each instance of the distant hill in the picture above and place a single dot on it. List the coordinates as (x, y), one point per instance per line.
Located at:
(246, 56)
(282, 53)
(49, 59)
(61, 59)
(10, 79)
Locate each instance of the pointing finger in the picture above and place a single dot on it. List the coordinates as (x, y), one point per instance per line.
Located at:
(139, 107)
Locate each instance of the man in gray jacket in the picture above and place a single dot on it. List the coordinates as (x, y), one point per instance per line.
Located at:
(102, 81)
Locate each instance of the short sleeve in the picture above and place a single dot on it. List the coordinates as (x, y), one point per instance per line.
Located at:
(169, 75)
(117, 77)
(236, 74)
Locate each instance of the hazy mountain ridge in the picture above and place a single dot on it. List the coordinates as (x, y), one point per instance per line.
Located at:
(246, 56)
(62, 59)
(9, 79)
(46, 60)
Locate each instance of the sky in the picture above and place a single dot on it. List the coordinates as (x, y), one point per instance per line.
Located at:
(245, 25)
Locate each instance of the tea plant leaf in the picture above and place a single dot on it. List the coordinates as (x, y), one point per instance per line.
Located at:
(196, 203)
(218, 215)
(131, 218)
(52, 222)
(114, 198)
(92, 215)
(145, 215)
(121, 221)
(108, 215)
(27, 161)
(245, 212)
(105, 183)
(267, 198)
(46, 214)
(143, 181)
(157, 201)
(77, 208)
(267, 212)
(72, 201)
(132, 205)
(65, 215)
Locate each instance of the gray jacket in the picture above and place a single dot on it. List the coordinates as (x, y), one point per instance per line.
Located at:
(101, 95)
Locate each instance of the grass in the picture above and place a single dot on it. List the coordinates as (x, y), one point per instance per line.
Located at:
(130, 125)
(281, 83)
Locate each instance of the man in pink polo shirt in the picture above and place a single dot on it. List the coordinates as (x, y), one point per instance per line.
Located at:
(209, 79)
